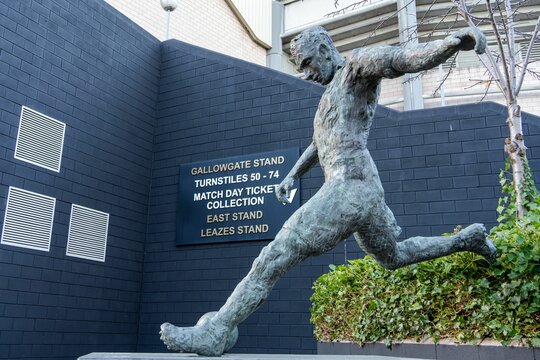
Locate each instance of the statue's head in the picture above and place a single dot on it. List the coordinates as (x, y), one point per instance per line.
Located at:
(315, 54)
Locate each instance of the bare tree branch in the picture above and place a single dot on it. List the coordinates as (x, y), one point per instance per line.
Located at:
(421, 22)
(487, 89)
(487, 58)
(441, 83)
(511, 42)
(413, 77)
(527, 57)
(385, 20)
(478, 82)
(346, 8)
(509, 91)
(534, 74)
(487, 82)
(441, 19)
(530, 72)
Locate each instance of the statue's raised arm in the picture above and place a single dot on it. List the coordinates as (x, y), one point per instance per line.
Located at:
(394, 61)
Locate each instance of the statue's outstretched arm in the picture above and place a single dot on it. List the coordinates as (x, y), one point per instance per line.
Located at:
(394, 61)
(429, 55)
(307, 160)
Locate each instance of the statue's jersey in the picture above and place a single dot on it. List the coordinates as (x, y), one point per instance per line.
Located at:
(342, 125)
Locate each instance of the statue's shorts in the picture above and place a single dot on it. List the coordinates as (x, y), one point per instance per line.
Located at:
(339, 209)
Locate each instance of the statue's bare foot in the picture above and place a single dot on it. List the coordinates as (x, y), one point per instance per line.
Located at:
(205, 338)
(192, 339)
(475, 238)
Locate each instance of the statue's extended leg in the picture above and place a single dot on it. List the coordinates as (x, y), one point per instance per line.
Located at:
(210, 339)
(378, 239)
(316, 227)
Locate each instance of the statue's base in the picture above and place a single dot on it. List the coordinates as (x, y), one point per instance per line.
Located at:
(443, 350)
(135, 356)
(170, 356)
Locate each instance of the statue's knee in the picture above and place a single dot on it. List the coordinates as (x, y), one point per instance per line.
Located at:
(263, 257)
(271, 256)
(389, 262)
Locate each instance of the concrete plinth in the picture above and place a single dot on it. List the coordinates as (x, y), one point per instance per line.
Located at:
(155, 356)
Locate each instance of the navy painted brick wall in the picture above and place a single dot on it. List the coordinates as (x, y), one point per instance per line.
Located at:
(440, 166)
(439, 169)
(83, 64)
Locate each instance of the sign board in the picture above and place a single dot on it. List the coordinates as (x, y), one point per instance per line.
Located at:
(233, 199)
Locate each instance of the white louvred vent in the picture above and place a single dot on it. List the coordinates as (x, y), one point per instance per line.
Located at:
(40, 140)
(497, 54)
(87, 237)
(28, 220)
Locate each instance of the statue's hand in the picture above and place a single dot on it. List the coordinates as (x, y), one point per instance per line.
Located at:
(283, 191)
(468, 39)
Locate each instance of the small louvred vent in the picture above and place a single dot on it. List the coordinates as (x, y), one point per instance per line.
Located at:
(28, 220)
(87, 237)
(40, 140)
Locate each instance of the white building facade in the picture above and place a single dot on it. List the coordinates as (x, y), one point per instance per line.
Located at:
(259, 31)
(354, 24)
(234, 27)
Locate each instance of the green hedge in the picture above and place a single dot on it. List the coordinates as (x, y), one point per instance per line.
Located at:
(458, 296)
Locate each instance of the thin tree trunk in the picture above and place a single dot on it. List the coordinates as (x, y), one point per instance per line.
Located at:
(516, 150)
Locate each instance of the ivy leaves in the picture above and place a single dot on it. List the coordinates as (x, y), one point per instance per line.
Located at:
(457, 297)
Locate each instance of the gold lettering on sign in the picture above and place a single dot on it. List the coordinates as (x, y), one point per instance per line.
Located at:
(210, 169)
(247, 215)
(275, 160)
(217, 218)
(221, 231)
(252, 229)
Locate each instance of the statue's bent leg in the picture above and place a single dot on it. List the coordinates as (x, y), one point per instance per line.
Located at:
(378, 238)
(318, 226)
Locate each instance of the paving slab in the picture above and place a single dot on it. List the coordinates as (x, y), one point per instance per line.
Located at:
(164, 356)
